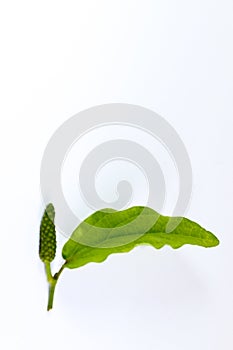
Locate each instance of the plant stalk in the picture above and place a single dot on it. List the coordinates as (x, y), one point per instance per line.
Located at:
(52, 281)
(52, 287)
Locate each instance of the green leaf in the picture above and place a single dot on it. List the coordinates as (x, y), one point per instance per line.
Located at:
(108, 231)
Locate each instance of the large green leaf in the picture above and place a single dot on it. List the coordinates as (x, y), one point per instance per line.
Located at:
(108, 231)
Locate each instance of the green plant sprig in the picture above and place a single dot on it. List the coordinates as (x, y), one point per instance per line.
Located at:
(109, 232)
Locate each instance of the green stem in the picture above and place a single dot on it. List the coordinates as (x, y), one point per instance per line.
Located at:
(57, 275)
(48, 272)
(52, 280)
(52, 287)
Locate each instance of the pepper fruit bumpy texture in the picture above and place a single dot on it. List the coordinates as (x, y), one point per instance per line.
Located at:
(47, 248)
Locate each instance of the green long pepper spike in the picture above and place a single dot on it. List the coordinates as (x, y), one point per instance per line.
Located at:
(48, 244)
(47, 250)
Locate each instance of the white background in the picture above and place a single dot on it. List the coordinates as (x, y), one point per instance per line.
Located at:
(174, 57)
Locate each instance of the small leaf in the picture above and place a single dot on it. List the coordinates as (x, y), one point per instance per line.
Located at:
(108, 231)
